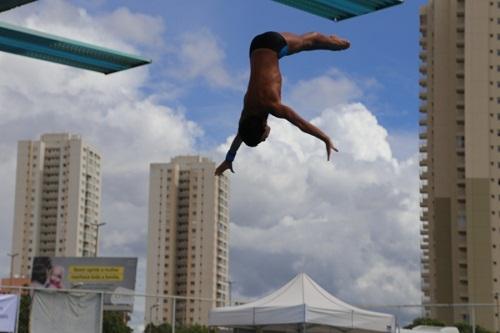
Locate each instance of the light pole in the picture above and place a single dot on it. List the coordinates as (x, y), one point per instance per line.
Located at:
(98, 226)
(12, 256)
(151, 316)
(230, 285)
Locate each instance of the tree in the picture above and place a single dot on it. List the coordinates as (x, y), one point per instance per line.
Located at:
(24, 314)
(426, 322)
(467, 328)
(162, 328)
(193, 329)
(115, 322)
(166, 328)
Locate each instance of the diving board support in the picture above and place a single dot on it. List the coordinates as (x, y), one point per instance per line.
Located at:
(338, 10)
(9, 4)
(39, 45)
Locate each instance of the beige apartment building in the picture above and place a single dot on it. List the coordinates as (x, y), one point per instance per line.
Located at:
(460, 158)
(57, 199)
(188, 245)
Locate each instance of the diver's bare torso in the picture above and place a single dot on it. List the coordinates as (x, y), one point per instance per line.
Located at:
(264, 86)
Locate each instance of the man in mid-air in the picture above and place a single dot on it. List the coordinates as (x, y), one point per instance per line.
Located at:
(263, 95)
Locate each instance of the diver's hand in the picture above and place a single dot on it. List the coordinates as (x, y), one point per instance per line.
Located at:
(223, 167)
(329, 148)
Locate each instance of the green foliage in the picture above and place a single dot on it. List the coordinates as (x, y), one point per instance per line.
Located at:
(115, 322)
(24, 314)
(466, 328)
(193, 329)
(163, 328)
(426, 322)
(462, 327)
(166, 328)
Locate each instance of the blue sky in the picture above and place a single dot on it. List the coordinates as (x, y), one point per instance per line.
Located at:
(384, 47)
(351, 224)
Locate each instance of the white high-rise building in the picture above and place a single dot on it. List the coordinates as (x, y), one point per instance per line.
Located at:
(57, 200)
(187, 240)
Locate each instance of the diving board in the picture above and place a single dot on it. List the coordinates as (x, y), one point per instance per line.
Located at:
(338, 10)
(35, 44)
(9, 4)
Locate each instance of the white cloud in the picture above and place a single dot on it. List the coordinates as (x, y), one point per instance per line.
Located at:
(111, 112)
(201, 56)
(333, 88)
(351, 223)
(119, 29)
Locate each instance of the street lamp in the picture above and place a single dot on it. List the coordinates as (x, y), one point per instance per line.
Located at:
(12, 256)
(230, 285)
(98, 226)
(151, 316)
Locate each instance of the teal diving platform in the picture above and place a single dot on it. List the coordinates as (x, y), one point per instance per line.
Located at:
(35, 44)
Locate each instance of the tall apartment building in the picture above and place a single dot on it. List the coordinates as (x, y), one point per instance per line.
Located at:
(460, 158)
(57, 199)
(187, 240)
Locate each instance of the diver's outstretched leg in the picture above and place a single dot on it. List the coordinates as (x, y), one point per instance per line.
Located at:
(314, 41)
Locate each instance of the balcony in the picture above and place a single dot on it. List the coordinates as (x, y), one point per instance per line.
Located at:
(424, 175)
(423, 69)
(425, 240)
(422, 121)
(423, 108)
(424, 202)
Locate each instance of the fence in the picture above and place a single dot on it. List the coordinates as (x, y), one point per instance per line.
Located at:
(150, 312)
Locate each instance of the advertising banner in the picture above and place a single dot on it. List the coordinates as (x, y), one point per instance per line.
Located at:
(111, 274)
(8, 312)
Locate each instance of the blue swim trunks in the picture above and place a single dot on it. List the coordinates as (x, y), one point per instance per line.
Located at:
(270, 40)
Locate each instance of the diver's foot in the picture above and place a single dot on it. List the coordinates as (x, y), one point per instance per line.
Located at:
(338, 44)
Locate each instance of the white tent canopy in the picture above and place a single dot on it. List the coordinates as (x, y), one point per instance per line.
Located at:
(302, 301)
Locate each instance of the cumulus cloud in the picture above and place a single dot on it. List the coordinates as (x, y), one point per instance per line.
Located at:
(352, 224)
(112, 113)
(312, 96)
(201, 56)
